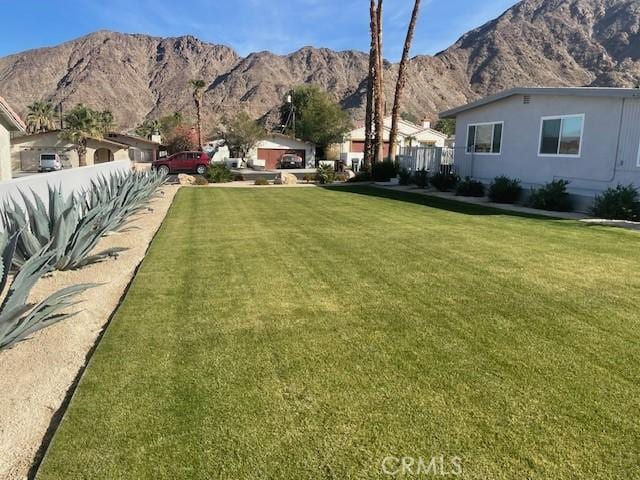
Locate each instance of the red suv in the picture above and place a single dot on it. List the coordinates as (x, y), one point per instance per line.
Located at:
(191, 162)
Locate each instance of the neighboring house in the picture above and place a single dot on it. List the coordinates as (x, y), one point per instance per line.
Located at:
(588, 136)
(271, 149)
(26, 151)
(409, 134)
(10, 122)
(141, 150)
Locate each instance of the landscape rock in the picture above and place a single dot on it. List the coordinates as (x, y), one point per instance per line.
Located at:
(185, 179)
(285, 179)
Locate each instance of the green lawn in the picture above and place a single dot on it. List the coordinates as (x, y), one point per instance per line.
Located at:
(310, 333)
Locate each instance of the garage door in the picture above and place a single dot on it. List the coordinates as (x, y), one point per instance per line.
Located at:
(272, 156)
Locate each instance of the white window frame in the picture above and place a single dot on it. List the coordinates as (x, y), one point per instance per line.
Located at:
(561, 117)
(466, 145)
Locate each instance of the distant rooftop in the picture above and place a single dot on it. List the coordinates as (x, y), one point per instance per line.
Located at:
(565, 91)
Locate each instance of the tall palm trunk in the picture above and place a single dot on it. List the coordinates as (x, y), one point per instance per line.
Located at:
(81, 149)
(379, 88)
(199, 120)
(402, 80)
(368, 128)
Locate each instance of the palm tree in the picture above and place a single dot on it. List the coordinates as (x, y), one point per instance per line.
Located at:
(402, 80)
(81, 123)
(198, 92)
(368, 122)
(378, 154)
(106, 122)
(40, 117)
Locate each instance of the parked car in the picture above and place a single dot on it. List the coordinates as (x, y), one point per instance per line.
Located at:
(290, 161)
(183, 162)
(49, 162)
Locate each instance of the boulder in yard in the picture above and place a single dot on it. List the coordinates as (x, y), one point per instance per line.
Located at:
(350, 174)
(185, 179)
(285, 179)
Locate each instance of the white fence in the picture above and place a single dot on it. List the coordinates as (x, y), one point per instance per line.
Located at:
(433, 160)
(71, 181)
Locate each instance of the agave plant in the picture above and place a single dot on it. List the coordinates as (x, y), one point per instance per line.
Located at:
(123, 195)
(19, 319)
(65, 228)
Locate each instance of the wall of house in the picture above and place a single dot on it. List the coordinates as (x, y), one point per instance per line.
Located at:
(25, 151)
(71, 181)
(286, 144)
(602, 163)
(5, 154)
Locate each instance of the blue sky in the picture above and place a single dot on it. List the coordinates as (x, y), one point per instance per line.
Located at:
(281, 26)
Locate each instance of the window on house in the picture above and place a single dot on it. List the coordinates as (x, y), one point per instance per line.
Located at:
(484, 138)
(561, 135)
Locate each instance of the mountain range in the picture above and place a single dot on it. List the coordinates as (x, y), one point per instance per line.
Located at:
(534, 43)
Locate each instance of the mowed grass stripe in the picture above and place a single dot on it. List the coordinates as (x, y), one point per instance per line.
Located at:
(309, 333)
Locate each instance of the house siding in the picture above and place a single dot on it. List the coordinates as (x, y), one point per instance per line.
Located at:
(598, 166)
(5, 154)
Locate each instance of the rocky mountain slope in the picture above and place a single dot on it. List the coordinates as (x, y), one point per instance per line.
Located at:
(534, 43)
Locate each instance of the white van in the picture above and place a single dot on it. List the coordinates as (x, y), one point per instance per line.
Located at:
(50, 162)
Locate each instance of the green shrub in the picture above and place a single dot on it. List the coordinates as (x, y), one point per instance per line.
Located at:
(200, 180)
(384, 171)
(443, 181)
(505, 190)
(361, 176)
(405, 176)
(552, 196)
(325, 174)
(620, 203)
(261, 181)
(238, 178)
(470, 188)
(421, 178)
(219, 173)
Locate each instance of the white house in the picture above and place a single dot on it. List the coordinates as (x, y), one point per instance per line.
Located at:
(588, 136)
(409, 134)
(271, 149)
(9, 122)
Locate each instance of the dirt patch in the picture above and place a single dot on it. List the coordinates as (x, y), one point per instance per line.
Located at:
(37, 373)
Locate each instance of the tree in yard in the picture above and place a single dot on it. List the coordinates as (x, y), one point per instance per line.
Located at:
(320, 119)
(147, 128)
(368, 122)
(402, 80)
(182, 139)
(106, 122)
(446, 125)
(81, 123)
(241, 133)
(378, 153)
(198, 92)
(40, 117)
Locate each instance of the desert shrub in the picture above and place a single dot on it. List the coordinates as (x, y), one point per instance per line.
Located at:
(238, 178)
(308, 178)
(384, 171)
(619, 203)
(341, 177)
(325, 174)
(361, 176)
(404, 176)
(261, 181)
(505, 190)
(444, 181)
(552, 196)
(200, 180)
(182, 139)
(421, 178)
(470, 188)
(219, 173)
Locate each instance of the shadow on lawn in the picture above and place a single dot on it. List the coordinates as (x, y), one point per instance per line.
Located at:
(434, 202)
